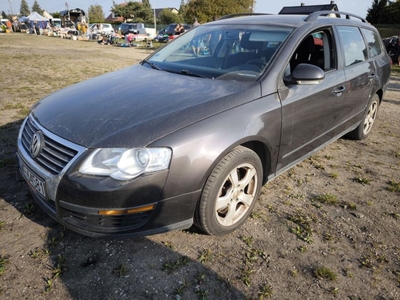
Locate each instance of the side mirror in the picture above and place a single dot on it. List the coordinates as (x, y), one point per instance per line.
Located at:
(308, 74)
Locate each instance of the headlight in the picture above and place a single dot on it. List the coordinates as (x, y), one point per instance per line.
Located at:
(123, 163)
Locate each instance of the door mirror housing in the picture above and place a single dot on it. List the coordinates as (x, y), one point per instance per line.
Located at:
(307, 74)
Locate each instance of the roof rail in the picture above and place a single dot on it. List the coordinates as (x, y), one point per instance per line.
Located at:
(315, 15)
(242, 15)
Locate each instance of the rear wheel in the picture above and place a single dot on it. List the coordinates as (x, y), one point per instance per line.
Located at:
(230, 193)
(368, 120)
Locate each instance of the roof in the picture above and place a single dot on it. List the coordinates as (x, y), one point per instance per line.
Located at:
(307, 9)
(34, 16)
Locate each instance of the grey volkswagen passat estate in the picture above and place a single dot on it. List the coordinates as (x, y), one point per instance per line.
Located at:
(238, 101)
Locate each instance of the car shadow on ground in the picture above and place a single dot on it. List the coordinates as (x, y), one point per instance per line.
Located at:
(72, 266)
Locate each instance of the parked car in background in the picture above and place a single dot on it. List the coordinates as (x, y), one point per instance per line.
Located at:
(392, 45)
(238, 101)
(131, 27)
(101, 28)
(164, 35)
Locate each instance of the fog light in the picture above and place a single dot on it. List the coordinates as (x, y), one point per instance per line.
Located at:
(127, 211)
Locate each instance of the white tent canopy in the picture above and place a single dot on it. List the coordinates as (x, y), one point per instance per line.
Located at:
(34, 16)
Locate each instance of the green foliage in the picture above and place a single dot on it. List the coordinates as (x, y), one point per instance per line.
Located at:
(36, 7)
(374, 12)
(390, 14)
(96, 13)
(394, 186)
(303, 227)
(325, 273)
(168, 17)
(56, 14)
(265, 292)
(207, 10)
(3, 15)
(172, 266)
(3, 262)
(135, 11)
(24, 9)
(120, 271)
(325, 198)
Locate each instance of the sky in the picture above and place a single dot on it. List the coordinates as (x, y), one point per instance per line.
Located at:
(358, 7)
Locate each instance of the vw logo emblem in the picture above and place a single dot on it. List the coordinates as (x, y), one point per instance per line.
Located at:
(37, 143)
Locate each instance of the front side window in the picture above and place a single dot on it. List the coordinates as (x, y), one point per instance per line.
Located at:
(222, 52)
(353, 45)
(316, 49)
(373, 40)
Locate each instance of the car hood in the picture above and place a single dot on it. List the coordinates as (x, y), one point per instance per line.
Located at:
(135, 106)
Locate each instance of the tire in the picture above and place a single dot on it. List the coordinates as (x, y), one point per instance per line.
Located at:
(222, 207)
(368, 120)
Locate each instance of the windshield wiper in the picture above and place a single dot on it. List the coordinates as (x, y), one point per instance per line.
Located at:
(151, 65)
(188, 73)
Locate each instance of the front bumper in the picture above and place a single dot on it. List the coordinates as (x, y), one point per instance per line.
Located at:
(101, 207)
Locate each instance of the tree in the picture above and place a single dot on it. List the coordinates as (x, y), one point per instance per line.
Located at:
(24, 9)
(137, 11)
(96, 14)
(3, 15)
(207, 10)
(146, 3)
(167, 17)
(390, 14)
(374, 12)
(36, 7)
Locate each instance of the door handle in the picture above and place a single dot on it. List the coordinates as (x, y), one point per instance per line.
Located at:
(371, 76)
(339, 91)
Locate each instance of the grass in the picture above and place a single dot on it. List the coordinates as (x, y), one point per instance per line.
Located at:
(325, 199)
(179, 290)
(325, 273)
(245, 275)
(172, 266)
(120, 271)
(39, 253)
(303, 229)
(395, 70)
(265, 292)
(362, 180)
(394, 186)
(3, 262)
(206, 256)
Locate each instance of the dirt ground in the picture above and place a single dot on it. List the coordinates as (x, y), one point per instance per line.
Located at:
(327, 229)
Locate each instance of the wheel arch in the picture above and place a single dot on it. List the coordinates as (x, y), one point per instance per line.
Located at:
(263, 153)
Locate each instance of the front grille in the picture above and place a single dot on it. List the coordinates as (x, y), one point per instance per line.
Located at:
(104, 223)
(54, 156)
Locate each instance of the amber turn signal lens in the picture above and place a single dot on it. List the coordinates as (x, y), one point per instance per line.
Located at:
(127, 211)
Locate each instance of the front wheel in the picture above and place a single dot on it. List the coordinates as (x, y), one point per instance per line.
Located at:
(368, 120)
(230, 193)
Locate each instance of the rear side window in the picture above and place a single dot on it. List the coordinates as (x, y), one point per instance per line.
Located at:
(373, 41)
(353, 44)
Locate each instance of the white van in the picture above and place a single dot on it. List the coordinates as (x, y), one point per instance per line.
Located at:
(56, 22)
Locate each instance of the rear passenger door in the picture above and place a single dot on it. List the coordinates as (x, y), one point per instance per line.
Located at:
(360, 72)
(311, 113)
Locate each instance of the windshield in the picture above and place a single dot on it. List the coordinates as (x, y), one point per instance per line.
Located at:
(223, 52)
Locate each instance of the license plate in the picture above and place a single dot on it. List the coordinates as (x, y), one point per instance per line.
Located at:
(33, 180)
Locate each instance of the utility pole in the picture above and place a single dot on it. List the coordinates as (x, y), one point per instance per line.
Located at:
(9, 2)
